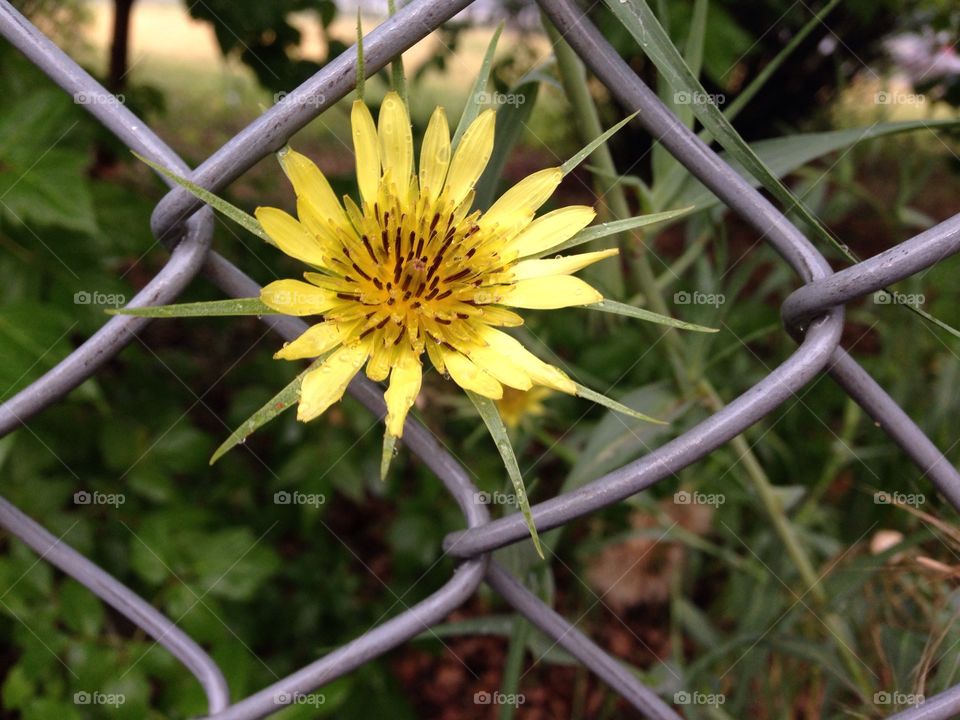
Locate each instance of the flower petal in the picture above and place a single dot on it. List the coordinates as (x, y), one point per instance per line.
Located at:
(470, 377)
(326, 384)
(518, 204)
(294, 297)
(435, 155)
(313, 342)
(366, 147)
(470, 159)
(404, 387)
(309, 183)
(540, 372)
(500, 367)
(549, 293)
(564, 265)
(551, 229)
(493, 315)
(290, 236)
(396, 142)
(381, 358)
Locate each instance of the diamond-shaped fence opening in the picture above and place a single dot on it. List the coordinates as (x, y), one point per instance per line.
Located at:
(814, 314)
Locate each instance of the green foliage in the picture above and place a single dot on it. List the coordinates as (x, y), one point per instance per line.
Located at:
(264, 36)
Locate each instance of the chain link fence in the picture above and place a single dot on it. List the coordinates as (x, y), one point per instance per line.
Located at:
(813, 315)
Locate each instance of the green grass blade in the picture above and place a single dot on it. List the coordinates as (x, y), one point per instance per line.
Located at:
(361, 65)
(930, 318)
(642, 23)
(663, 163)
(601, 399)
(498, 431)
(585, 152)
(283, 400)
(472, 108)
(619, 308)
(596, 232)
(243, 219)
(398, 78)
(693, 52)
(748, 93)
(213, 308)
(389, 445)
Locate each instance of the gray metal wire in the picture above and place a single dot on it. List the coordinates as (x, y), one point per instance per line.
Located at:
(813, 314)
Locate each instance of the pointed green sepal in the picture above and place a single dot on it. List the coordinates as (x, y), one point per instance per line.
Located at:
(213, 308)
(498, 431)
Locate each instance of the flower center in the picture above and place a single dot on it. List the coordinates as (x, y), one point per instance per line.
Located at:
(423, 275)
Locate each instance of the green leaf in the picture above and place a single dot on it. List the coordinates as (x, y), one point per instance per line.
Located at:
(243, 219)
(233, 564)
(595, 232)
(619, 308)
(472, 108)
(213, 308)
(787, 154)
(498, 431)
(80, 609)
(43, 177)
(277, 404)
(587, 150)
(601, 399)
(616, 440)
(52, 191)
(18, 688)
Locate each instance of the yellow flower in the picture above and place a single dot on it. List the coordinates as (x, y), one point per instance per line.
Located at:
(410, 269)
(517, 405)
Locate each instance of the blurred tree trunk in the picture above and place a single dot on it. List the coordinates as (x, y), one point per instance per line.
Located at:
(120, 45)
(105, 159)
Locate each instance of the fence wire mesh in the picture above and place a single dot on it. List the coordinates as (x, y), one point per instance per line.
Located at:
(813, 314)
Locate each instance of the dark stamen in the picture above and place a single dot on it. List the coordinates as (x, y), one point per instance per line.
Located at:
(456, 276)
